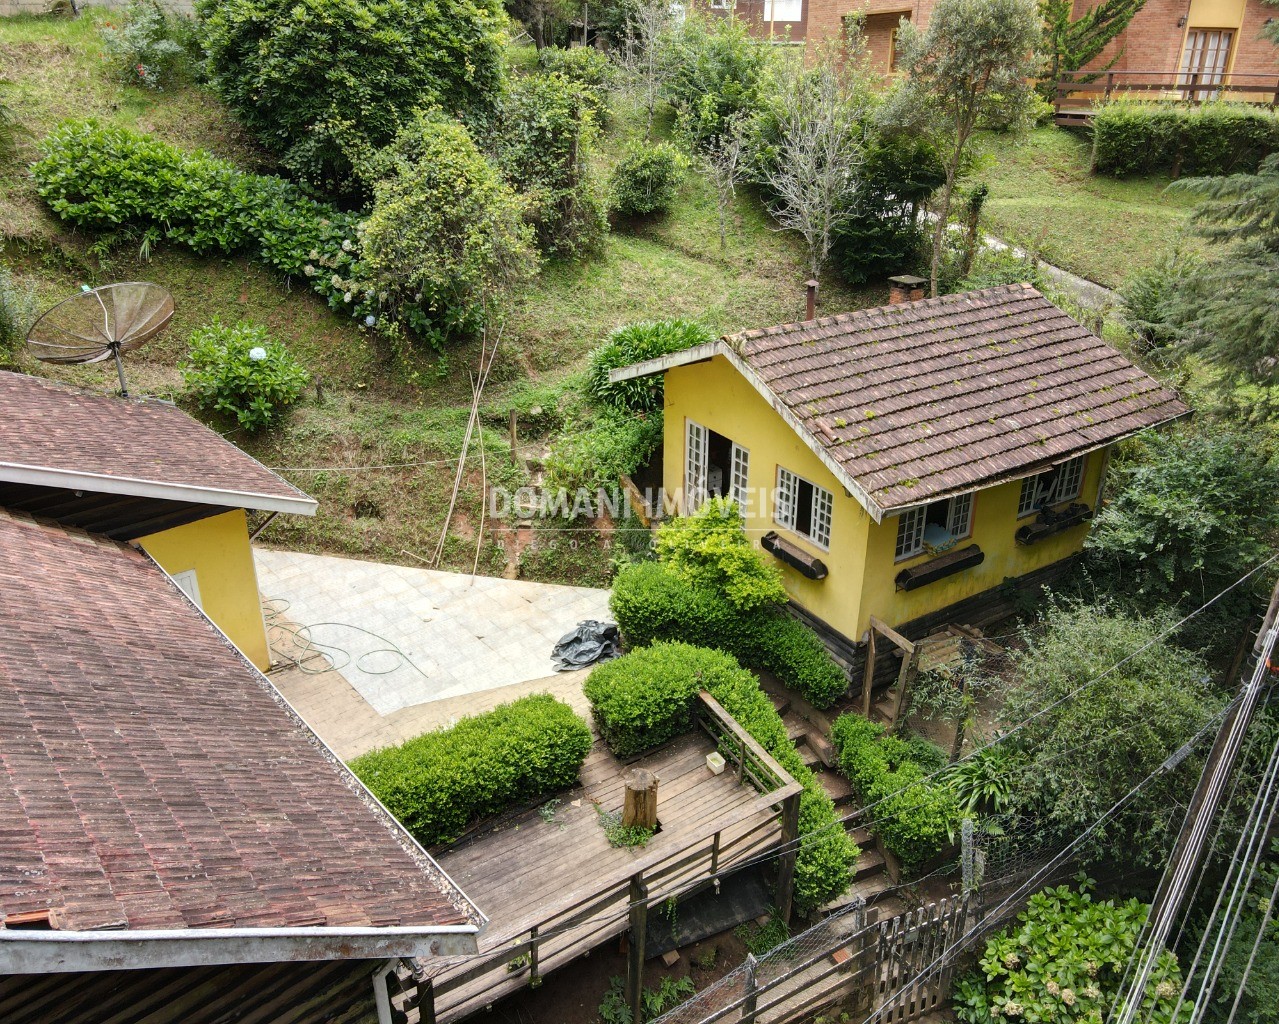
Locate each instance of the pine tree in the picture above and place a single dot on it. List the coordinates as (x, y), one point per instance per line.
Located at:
(1072, 43)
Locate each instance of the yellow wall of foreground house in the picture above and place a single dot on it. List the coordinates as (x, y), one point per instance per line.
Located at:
(994, 524)
(218, 550)
(716, 396)
(862, 572)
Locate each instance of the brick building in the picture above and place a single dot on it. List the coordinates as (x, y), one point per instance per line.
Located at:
(1210, 37)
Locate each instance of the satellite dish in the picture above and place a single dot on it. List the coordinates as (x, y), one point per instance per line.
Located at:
(101, 323)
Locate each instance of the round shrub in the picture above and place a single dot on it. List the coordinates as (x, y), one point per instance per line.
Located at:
(634, 343)
(321, 81)
(647, 179)
(652, 603)
(240, 372)
(437, 784)
(445, 231)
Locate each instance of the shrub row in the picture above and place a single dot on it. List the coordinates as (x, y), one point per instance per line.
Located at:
(917, 818)
(109, 179)
(1131, 137)
(647, 697)
(650, 603)
(439, 783)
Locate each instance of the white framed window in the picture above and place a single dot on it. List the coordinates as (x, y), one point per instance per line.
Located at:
(740, 473)
(935, 527)
(695, 443)
(721, 5)
(803, 507)
(783, 10)
(189, 585)
(1061, 483)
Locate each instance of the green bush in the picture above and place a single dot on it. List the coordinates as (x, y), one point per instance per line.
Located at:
(634, 343)
(795, 654)
(918, 816)
(1149, 295)
(118, 182)
(240, 372)
(445, 232)
(145, 50)
(17, 311)
(647, 697)
(585, 66)
(1066, 960)
(710, 549)
(322, 82)
(544, 141)
(439, 783)
(592, 459)
(647, 179)
(1143, 137)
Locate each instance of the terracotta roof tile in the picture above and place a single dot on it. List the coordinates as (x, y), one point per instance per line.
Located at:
(151, 778)
(51, 426)
(922, 399)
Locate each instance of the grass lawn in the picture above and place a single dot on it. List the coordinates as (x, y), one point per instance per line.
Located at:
(368, 409)
(1043, 198)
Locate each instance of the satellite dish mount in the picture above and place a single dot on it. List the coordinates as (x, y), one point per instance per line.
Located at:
(101, 323)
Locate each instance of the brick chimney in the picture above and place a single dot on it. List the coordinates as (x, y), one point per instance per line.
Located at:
(905, 288)
(811, 285)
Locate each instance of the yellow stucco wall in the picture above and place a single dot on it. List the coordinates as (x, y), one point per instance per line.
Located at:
(717, 397)
(218, 550)
(860, 561)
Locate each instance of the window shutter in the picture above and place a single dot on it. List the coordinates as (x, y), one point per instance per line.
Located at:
(741, 472)
(694, 467)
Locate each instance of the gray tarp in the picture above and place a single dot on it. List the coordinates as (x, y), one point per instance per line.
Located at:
(588, 643)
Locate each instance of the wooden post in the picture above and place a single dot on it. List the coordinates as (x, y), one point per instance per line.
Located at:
(957, 747)
(868, 682)
(1110, 83)
(426, 1002)
(910, 669)
(638, 937)
(752, 993)
(786, 862)
(515, 457)
(640, 808)
(533, 978)
(715, 855)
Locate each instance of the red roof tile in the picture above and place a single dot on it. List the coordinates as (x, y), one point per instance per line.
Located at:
(923, 399)
(151, 778)
(129, 443)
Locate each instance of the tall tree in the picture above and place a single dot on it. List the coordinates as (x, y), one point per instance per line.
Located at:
(642, 50)
(968, 70)
(1072, 43)
(815, 126)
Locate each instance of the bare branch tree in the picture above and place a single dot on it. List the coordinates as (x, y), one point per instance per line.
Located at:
(641, 52)
(722, 160)
(819, 116)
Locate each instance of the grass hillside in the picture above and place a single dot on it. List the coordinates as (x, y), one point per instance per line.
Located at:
(365, 409)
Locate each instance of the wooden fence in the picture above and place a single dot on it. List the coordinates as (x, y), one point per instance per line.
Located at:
(1079, 91)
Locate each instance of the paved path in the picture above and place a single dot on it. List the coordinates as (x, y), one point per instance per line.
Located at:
(401, 637)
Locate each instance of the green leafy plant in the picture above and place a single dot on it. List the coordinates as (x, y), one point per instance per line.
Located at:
(618, 834)
(760, 939)
(445, 234)
(983, 782)
(635, 343)
(547, 812)
(614, 1009)
(1132, 137)
(237, 370)
(1066, 960)
(440, 782)
(710, 548)
(707, 959)
(584, 66)
(1149, 298)
(647, 179)
(593, 458)
(324, 82)
(17, 311)
(544, 140)
(145, 50)
(668, 994)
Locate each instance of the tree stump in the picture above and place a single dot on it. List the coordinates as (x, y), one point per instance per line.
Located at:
(640, 808)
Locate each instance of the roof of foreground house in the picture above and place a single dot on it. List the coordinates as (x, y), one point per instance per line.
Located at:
(912, 402)
(152, 779)
(52, 435)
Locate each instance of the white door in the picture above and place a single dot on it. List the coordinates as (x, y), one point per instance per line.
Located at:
(741, 471)
(695, 445)
(1204, 61)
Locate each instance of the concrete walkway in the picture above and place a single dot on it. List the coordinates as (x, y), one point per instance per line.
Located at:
(401, 637)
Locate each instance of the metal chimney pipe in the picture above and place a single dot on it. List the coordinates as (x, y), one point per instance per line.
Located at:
(812, 300)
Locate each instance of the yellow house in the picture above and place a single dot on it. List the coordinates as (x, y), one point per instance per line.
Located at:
(142, 471)
(914, 462)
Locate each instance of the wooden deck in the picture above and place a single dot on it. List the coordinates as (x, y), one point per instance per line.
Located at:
(554, 890)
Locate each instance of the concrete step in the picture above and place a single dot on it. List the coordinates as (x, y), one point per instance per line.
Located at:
(871, 862)
(861, 836)
(781, 703)
(836, 786)
(796, 728)
(809, 756)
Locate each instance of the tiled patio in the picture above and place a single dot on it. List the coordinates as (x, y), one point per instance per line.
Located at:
(458, 634)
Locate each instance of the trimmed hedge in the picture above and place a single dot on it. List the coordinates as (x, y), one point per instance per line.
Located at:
(1141, 137)
(647, 697)
(651, 603)
(438, 783)
(917, 817)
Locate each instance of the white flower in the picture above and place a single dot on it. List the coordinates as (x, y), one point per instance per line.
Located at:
(370, 320)
(346, 245)
(1052, 987)
(335, 281)
(1068, 996)
(257, 354)
(309, 270)
(346, 297)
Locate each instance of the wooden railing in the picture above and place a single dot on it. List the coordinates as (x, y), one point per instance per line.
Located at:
(1078, 91)
(620, 902)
